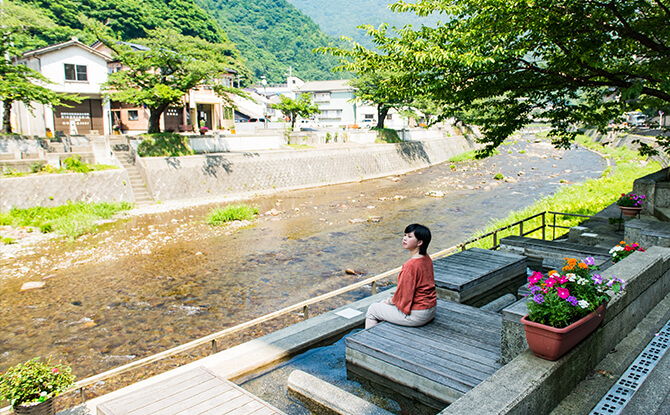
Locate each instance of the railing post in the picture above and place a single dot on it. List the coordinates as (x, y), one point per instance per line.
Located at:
(374, 288)
(544, 237)
(495, 240)
(82, 394)
(215, 349)
(521, 228)
(554, 231)
(305, 312)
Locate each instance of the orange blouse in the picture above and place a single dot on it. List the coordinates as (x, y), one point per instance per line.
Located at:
(416, 286)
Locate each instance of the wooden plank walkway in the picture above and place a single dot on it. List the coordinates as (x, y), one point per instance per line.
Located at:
(442, 360)
(198, 391)
(477, 276)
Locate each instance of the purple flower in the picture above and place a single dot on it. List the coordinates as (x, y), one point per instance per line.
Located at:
(538, 298)
(597, 279)
(572, 300)
(614, 280)
(534, 289)
(589, 261)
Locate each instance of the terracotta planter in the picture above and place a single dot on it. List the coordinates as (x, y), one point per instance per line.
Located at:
(631, 212)
(551, 343)
(47, 407)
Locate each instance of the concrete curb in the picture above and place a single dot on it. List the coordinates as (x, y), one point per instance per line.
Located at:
(329, 396)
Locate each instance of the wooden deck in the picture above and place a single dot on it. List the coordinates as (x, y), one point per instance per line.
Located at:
(441, 360)
(477, 276)
(198, 391)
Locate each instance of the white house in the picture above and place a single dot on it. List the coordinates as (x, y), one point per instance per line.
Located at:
(338, 104)
(73, 68)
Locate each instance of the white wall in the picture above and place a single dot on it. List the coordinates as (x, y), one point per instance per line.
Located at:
(52, 66)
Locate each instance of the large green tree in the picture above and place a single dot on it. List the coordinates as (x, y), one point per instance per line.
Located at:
(502, 64)
(19, 83)
(379, 87)
(294, 108)
(164, 67)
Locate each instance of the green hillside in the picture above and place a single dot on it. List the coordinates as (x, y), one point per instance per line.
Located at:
(340, 18)
(273, 35)
(269, 35)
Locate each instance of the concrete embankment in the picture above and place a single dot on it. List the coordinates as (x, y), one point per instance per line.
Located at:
(223, 174)
(210, 176)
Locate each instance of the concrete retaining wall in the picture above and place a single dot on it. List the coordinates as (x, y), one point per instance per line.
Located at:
(172, 178)
(57, 189)
(530, 385)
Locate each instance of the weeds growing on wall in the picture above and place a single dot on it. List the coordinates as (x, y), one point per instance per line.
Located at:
(468, 156)
(219, 216)
(586, 198)
(72, 164)
(71, 219)
(164, 145)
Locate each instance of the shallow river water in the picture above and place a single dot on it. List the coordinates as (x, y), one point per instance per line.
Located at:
(151, 282)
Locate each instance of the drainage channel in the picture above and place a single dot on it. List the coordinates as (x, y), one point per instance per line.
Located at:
(616, 399)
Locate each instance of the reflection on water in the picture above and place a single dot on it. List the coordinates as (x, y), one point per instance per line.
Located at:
(153, 282)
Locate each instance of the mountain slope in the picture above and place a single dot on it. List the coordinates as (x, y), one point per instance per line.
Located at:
(273, 35)
(340, 18)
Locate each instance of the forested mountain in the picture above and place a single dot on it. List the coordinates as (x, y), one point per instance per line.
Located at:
(270, 34)
(340, 18)
(273, 35)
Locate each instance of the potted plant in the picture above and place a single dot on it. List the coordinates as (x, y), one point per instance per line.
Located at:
(117, 129)
(566, 307)
(630, 204)
(203, 130)
(31, 387)
(621, 251)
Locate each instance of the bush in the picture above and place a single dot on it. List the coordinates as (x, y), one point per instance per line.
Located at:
(75, 164)
(387, 135)
(499, 176)
(229, 213)
(164, 145)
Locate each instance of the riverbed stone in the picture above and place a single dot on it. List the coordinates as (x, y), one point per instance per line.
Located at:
(33, 285)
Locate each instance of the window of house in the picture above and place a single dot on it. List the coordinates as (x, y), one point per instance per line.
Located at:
(370, 116)
(331, 114)
(389, 116)
(75, 72)
(133, 115)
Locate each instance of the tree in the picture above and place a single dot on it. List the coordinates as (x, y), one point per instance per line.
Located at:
(19, 83)
(293, 108)
(162, 68)
(379, 88)
(503, 64)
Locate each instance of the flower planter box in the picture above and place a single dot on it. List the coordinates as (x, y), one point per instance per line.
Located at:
(551, 343)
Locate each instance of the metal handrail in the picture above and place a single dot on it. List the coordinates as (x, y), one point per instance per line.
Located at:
(304, 305)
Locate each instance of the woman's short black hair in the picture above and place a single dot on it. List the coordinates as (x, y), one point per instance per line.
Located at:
(422, 233)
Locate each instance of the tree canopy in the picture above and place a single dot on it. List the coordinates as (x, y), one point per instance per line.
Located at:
(167, 66)
(503, 64)
(300, 107)
(19, 82)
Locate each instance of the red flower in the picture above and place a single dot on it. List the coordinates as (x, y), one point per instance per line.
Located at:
(54, 370)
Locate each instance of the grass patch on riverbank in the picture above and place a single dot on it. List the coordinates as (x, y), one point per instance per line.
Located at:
(469, 155)
(586, 198)
(219, 216)
(71, 219)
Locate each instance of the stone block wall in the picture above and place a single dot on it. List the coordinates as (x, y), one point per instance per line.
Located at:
(57, 189)
(172, 178)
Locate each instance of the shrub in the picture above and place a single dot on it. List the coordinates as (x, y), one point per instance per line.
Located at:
(75, 164)
(34, 381)
(387, 135)
(499, 176)
(164, 145)
(229, 213)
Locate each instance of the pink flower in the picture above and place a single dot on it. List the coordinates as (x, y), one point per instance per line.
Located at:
(54, 370)
(562, 292)
(550, 282)
(535, 277)
(562, 279)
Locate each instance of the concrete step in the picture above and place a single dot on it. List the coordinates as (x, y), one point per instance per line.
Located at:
(662, 213)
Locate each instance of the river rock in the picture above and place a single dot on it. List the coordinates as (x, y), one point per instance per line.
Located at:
(375, 219)
(357, 220)
(33, 285)
(394, 179)
(384, 198)
(510, 180)
(399, 197)
(521, 173)
(435, 193)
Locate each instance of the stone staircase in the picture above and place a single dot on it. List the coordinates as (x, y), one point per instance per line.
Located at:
(121, 150)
